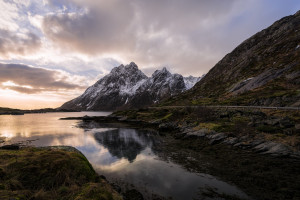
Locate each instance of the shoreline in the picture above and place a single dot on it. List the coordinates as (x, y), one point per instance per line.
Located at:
(271, 170)
(256, 144)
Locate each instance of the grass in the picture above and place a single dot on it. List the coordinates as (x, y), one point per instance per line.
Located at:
(209, 126)
(232, 121)
(45, 173)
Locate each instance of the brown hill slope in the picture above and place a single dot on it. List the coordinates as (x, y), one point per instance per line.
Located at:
(263, 70)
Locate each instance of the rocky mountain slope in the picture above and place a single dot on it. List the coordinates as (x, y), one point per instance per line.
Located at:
(128, 87)
(263, 70)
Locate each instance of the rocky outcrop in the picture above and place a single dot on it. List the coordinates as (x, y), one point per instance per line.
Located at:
(128, 87)
(257, 145)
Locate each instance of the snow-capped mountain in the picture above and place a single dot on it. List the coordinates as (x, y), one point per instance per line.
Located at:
(128, 87)
(190, 81)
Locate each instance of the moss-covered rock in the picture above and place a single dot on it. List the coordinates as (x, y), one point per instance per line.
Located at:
(50, 173)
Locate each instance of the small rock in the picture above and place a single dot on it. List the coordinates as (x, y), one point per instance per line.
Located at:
(211, 135)
(216, 138)
(256, 142)
(199, 133)
(278, 149)
(266, 146)
(231, 140)
(186, 130)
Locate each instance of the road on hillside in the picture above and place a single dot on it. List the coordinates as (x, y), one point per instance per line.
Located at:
(249, 107)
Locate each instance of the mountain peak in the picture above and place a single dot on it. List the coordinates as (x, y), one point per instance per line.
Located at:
(164, 69)
(133, 64)
(128, 87)
(162, 72)
(130, 70)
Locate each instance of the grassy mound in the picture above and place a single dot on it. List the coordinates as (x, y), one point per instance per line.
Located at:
(50, 173)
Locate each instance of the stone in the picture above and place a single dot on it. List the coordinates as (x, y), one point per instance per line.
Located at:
(256, 142)
(265, 146)
(200, 133)
(217, 138)
(278, 149)
(231, 140)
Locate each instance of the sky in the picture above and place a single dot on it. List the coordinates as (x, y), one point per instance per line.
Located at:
(52, 50)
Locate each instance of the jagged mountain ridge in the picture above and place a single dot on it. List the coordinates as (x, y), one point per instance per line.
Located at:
(264, 70)
(128, 87)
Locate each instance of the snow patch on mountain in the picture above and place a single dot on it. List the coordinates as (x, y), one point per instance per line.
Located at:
(190, 81)
(129, 86)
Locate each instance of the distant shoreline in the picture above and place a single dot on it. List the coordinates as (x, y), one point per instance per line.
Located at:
(11, 111)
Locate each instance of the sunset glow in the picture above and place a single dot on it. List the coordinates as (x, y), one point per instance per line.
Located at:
(51, 51)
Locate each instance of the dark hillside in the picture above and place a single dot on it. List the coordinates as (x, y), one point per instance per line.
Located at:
(263, 70)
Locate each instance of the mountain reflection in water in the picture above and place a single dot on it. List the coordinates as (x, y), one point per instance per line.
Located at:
(121, 154)
(125, 143)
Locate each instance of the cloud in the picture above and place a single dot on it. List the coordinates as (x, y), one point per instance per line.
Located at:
(23, 89)
(18, 44)
(190, 36)
(147, 32)
(31, 80)
(101, 29)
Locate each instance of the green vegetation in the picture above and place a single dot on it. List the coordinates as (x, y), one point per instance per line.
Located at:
(50, 173)
(275, 125)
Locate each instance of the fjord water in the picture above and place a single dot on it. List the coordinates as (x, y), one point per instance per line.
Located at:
(125, 156)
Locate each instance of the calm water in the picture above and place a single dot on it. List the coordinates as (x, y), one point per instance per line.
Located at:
(123, 155)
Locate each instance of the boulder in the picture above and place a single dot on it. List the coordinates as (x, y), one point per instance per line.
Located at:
(217, 138)
(265, 146)
(231, 140)
(279, 150)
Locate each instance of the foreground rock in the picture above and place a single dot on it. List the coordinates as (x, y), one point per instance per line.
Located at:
(50, 173)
